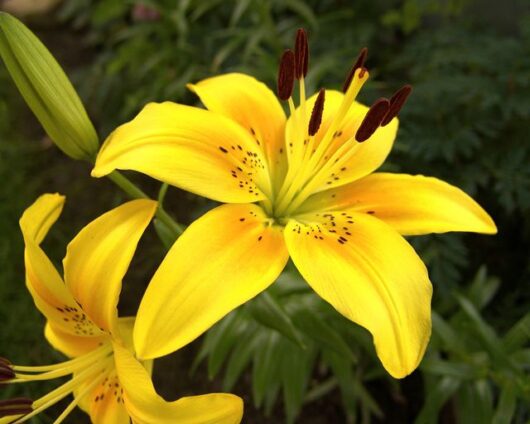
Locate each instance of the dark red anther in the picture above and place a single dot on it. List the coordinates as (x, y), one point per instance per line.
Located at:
(15, 406)
(6, 372)
(316, 114)
(286, 75)
(301, 52)
(16, 401)
(372, 120)
(5, 361)
(359, 63)
(396, 103)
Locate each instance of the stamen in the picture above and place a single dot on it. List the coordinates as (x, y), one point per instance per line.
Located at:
(396, 103)
(5, 361)
(15, 406)
(372, 120)
(316, 114)
(359, 63)
(6, 372)
(286, 75)
(301, 52)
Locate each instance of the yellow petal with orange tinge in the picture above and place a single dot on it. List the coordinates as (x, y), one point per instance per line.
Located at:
(412, 204)
(189, 147)
(252, 105)
(372, 276)
(72, 345)
(107, 403)
(366, 156)
(44, 283)
(222, 260)
(145, 406)
(99, 256)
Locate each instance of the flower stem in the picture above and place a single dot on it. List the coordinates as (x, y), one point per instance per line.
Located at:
(127, 186)
(136, 193)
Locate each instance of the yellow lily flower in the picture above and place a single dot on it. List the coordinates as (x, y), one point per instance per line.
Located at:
(302, 187)
(108, 382)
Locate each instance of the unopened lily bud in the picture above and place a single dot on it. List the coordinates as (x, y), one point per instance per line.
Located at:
(46, 89)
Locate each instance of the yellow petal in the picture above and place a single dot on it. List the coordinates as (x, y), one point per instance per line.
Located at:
(40, 216)
(43, 281)
(85, 403)
(366, 157)
(372, 276)
(411, 204)
(189, 148)
(72, 345)
(251, 104)
(107, 403)
(222, 260)
(145, 406)
(99, 256)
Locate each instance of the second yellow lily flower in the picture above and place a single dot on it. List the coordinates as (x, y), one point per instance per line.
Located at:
(107, 380)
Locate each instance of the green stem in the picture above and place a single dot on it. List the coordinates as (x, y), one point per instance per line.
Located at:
(127, 186)
(174, 226)
(136, 193)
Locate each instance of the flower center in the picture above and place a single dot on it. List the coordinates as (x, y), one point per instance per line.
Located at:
(318, 157)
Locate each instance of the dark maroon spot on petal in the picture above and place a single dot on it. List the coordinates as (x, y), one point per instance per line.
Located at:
(222, 149)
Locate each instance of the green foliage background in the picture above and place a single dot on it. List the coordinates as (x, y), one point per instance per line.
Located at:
(467, 123)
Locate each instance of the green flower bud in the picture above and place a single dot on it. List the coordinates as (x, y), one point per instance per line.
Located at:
(47, 90)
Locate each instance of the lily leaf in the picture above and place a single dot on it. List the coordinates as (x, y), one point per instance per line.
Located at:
(322, 333)
(266, 310)
(437, 397)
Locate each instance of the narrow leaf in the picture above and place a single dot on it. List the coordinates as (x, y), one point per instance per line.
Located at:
(266, 310)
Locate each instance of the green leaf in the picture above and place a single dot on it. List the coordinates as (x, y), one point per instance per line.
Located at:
(352, 388)
(226, 337)
(47, 90)
(506, 407)
(475, 402)
(483, 289)
(518, 335)
(303, 10)
(296, 368)
(213, 337)
(436, 399)
(450, 339)
(490, 341)
(266, 310)
(451, 369)
(265, 368)
(317, 329)
(240, 357)
(239, 9)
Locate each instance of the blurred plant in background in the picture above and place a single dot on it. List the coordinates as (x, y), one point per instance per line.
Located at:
(467, 122)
